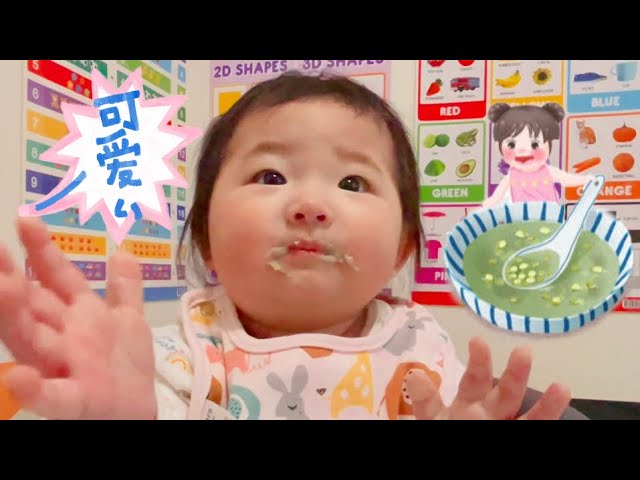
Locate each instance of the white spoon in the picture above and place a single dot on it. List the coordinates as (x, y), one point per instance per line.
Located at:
(561, 243)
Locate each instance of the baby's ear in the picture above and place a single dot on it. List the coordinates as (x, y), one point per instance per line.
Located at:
(405, 249)
(209, 264)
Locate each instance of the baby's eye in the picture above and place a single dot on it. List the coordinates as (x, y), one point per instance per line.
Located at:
(270, 177)
(353, 183)
(535, 144)
(511, 145)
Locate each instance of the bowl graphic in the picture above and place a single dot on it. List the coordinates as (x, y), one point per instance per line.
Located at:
(600, 223)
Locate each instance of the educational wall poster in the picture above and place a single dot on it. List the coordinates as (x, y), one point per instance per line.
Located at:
(462, 163)
(47, 85)
(526, 81)
(431, 281)
(449, 89)
(230, 79)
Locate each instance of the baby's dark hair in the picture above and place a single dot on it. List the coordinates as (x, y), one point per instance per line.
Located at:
(290, 87)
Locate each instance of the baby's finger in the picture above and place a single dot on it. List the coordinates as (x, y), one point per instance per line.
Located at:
(13, 286)
(47, 261)
(124, 282)
(551, 405)
(89, 323)
(50, 349)
(50, 398)
(505, 399)
(13, 291)
(6, 263)
(477, 380)
(424, 396)
(15, 334)
(16, 323)
(31, 344)
(46, 307)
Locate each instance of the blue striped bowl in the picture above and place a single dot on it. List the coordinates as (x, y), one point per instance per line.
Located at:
(598, 222)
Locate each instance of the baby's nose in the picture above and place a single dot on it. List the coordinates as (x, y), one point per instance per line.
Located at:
(311, 213)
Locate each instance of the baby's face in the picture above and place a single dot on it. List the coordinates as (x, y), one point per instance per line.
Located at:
(305, 219)
(525, 151)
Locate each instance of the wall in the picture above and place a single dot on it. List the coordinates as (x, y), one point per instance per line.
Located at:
(601, 361)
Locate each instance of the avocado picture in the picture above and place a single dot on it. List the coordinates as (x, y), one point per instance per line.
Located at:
(442, 140)
(435, 168)
(466, 168)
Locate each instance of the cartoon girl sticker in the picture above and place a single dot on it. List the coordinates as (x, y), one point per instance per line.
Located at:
(524, 134)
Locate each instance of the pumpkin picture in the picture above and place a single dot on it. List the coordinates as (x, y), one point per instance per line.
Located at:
(623, 162)
(624, 134)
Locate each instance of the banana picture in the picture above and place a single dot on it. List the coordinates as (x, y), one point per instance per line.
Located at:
(511, 81)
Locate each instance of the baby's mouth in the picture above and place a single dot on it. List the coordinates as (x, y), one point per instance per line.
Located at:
(326, 253)
(524, 158)
(303, 246)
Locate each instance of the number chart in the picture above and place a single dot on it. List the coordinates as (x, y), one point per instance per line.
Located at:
(461, 163)
(48, 84)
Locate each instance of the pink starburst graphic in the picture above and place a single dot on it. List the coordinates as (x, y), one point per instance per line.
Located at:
(119, 156)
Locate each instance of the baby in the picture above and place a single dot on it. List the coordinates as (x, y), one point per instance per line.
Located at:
(306, 205)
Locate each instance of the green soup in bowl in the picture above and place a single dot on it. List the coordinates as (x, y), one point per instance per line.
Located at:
(591, 284)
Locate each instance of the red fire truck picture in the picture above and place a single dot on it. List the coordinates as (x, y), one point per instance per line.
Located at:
(460, 84)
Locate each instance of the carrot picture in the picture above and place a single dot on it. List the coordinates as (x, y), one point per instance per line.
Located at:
(586, 164)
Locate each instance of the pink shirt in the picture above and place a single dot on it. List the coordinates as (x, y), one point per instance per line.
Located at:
(531, 187)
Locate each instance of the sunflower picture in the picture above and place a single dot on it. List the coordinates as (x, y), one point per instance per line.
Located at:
(542, 76)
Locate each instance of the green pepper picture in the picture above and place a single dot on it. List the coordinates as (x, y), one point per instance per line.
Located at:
(467, 139)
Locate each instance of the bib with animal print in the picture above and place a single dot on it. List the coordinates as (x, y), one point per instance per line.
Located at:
(314, 376)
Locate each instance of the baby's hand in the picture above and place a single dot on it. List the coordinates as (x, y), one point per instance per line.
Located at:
(478, 399)
(78, 356)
